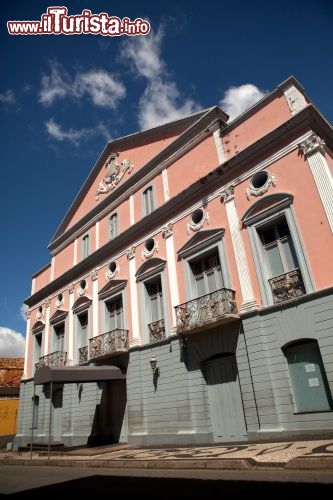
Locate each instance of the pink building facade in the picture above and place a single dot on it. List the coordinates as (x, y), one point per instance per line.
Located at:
(196, 259)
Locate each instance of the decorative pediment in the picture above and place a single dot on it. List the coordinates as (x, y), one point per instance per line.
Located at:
(201, 240)
(38, 327)
(114, 286)
(150, 267)
(265, 206)
(58, 316)
(81, 304)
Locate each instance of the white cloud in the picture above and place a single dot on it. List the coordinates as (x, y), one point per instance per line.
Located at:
(161, 101)
(103, 88)
(55, 86)
(238, 99)
(23, 311)
(159, 104)
(12, 343)
(57, 132)
(72, 135)
(143, 52)
(8, 97)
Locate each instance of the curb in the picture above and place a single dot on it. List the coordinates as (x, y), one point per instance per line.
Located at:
(211, 464)
(310, 463)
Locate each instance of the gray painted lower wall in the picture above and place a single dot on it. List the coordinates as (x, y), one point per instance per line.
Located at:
(266, 333)
(177, 407)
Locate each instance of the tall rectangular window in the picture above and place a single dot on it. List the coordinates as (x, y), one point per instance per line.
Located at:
(113, 226)
(37, 346)
(207, 273)
(154, 292)
(279, 248)
(85, 246)
(82, 338)
(59, 337)
(148, 200)
(114, 314)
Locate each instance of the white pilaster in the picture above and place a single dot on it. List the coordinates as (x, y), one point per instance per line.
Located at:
(97, 235)
(136, 339)
(47, 343)
(219, 147)
(71, 332)
(172, 271)
(313, 150)
(131, 204)
(165, 185)
(28, 350)
(248, 303)
(295, 99)
(95, 303)
(52, 268)
(75, 252)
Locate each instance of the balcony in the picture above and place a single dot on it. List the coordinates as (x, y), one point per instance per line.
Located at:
(156, 330)
(108, 343)
(83, 354)
(210, 310)
(287, 286)
(56, 358)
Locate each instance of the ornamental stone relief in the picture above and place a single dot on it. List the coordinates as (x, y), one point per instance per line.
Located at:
(114, 174)
(311, 145)
(260, 183)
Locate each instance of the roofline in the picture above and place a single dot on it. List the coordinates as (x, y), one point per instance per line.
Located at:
(205, 119)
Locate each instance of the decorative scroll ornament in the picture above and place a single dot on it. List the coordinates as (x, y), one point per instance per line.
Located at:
(130, 253)
(167, 230)
(311, 145)
(114, 173)
(94, 275)
(227, 194)
(258, 191)
(81, 291)
(195, 226)
(71, 288)
(28, 313)
(149, 253)
(109, 275)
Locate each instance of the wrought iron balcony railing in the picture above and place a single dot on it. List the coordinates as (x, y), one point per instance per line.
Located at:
(156, 330)
(83, 354)
(56, 358)
(108, 343)
(287, 286)
(208, 310)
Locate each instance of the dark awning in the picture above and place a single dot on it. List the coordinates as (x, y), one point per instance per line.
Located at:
(69, 374)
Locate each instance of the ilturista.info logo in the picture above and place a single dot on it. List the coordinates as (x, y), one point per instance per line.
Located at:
(57, 22)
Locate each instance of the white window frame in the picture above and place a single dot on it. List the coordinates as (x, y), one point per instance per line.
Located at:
(113, 226)
(85, 249)
(270, 216)
(148, 200)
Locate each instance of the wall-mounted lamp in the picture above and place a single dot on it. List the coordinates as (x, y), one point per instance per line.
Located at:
(153, 363)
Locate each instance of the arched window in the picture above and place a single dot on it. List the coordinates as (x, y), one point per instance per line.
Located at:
(308, 377)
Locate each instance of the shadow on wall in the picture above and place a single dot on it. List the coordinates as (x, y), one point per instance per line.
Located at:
(109, 414)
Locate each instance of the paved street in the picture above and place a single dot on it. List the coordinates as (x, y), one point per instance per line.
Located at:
(51, 482)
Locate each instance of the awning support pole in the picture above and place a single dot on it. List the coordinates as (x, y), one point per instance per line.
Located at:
(49, 445)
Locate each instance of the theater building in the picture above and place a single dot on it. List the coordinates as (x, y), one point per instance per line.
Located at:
(188, 298)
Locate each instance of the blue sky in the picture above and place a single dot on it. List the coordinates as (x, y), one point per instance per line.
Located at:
(63, 97)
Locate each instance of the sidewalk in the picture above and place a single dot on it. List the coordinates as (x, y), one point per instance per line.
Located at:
(291, 455)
